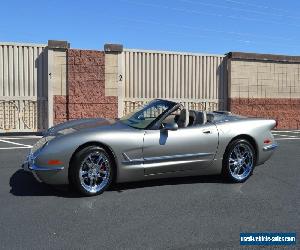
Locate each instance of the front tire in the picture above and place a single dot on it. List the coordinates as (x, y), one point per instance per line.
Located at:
(238, 161)
(91, 171)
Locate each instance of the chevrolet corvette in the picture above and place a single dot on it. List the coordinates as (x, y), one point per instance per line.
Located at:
(161, 139)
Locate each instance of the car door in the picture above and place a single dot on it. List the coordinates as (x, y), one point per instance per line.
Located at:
(189, 148)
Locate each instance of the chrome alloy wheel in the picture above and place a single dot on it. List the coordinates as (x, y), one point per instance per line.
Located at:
(241, 161)
(94, 172)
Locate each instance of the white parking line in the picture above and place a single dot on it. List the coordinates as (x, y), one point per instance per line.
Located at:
(15, 143)
(16, 147)
(10, 140)
(286, 131)
(289, 136)
(281, 139)
(20, 138)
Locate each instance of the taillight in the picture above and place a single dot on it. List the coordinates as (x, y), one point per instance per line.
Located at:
(267, 141)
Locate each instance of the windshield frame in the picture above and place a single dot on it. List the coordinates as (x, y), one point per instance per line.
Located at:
(171, 105)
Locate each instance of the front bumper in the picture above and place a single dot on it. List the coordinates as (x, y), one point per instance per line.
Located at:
(270, 147)
(29, 165)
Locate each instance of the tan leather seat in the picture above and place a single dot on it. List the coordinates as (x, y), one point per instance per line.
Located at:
(210, 117)
(192, 117)
(183, 119)
(201, 118)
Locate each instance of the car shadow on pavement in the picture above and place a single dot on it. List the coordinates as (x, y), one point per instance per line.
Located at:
(23, 183)
(120, 187)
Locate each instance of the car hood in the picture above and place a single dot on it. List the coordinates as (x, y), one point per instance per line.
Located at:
(78, 125)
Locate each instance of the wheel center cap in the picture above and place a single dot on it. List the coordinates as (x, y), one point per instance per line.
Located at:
(92, 172)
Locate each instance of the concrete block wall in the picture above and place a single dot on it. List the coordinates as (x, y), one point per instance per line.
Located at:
(85, 96)
(258, 85)
(111, 74)
(265, 86)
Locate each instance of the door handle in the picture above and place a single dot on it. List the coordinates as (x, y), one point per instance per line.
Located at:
(206, 131)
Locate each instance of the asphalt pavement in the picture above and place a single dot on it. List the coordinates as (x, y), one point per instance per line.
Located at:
(182, 213)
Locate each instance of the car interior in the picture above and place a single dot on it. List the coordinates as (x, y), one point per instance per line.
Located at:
(187, 118)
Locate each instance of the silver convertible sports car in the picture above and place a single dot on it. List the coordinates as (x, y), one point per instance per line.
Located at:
(159, 140)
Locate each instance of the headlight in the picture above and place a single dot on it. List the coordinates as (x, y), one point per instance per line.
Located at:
(66, 131)
(41, 144)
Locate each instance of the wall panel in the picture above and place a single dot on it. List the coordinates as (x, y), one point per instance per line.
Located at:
(196, 79)
(23, 101)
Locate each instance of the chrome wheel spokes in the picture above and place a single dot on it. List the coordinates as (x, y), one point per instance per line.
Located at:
(241, 161)
(94, 172)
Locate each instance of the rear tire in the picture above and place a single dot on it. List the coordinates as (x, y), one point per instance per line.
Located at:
(238, 161)
(91, 171)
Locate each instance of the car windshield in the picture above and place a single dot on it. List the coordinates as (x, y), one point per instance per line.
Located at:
(145, 115)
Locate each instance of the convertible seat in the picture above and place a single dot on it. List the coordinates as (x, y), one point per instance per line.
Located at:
(183, 119)
(210, 117)
(192, 117)
(201, 118)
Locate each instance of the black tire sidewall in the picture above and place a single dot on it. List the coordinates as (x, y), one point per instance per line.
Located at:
(225, 170)
(76, 164)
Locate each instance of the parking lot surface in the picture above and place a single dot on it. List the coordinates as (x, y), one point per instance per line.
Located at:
(181, 213)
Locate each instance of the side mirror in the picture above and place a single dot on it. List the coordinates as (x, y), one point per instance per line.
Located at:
(170, 126)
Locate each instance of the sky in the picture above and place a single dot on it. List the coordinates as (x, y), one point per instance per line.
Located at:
(203, 26)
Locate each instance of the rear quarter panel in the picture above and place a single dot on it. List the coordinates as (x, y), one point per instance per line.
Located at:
(258, 129)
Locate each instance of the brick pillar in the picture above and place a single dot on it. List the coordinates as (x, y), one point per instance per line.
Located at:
(85, 88)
